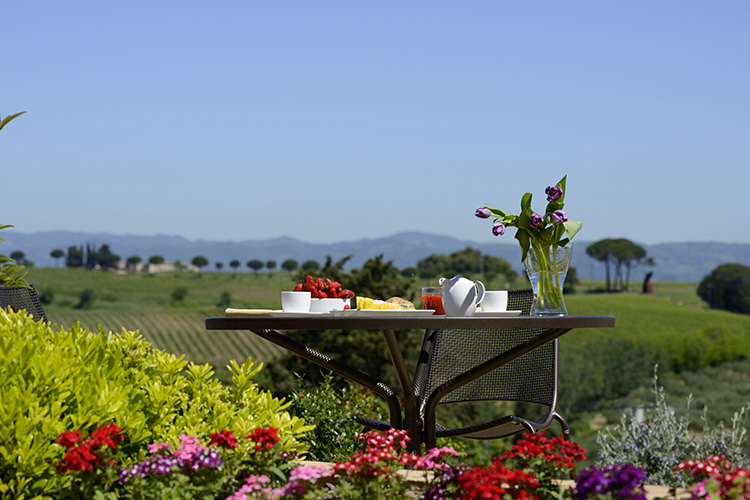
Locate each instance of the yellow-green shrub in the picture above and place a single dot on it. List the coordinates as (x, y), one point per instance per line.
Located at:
(53, 381)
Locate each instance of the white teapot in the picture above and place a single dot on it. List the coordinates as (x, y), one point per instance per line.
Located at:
(461, 295)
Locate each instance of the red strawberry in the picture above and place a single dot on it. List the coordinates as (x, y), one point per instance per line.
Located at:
(320, 284)
(345, 294)
(331, 294)
(298, 287)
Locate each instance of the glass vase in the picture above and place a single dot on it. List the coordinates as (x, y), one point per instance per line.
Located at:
(546, 267)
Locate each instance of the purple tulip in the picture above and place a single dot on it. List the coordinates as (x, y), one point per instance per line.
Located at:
(553, 193)
(498, 229)
(483, 213)
(536, 220)
(558, 216)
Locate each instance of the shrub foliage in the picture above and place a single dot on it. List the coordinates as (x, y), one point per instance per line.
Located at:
(727, 287)
(56, 381)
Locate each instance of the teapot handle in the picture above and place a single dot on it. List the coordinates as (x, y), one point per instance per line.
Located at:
(480, 291)
(440, 281)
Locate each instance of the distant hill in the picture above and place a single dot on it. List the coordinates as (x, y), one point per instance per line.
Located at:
(689, 261)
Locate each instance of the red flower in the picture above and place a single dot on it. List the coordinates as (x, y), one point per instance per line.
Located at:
(558, 451)
(496, 482)
(224, 439)
(264, 437)
(107, 435)
(69, 439)
(83, 455)
(80, 458)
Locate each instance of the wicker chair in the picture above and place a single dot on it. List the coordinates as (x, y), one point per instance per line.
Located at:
(531, 378)
(19, 298)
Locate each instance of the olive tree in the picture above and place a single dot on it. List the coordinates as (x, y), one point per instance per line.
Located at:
(622, 254)
(255, 264)
(199, 261)
(57, 254)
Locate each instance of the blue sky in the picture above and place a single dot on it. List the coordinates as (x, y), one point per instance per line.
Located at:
(340, 120)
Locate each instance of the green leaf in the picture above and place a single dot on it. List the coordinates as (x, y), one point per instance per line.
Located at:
(571, 228)
(526, 202)
(523, 239)
(8, 118)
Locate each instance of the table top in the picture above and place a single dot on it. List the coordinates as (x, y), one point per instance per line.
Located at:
(405, 322)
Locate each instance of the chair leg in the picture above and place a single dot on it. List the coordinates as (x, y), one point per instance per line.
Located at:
(563, 424)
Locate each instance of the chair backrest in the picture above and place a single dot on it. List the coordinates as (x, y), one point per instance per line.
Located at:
(446, 354)
(22, 298)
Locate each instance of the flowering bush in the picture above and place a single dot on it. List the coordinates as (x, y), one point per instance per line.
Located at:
(369, 474)
(257, 468)
(663, 440)
(549, 460)
(188, 470)
(91, 458)
(622, 481)
(531, 469)
(717, 478)
(54, 380)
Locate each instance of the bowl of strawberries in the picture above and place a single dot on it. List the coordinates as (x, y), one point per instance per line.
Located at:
(326, 295)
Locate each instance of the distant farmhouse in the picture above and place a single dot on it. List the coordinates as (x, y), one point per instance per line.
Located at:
(148, 267)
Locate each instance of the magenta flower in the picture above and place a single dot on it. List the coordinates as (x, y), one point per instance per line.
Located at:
(553, 193)
(498, 229)
(558, 216)
(536, 220)
(483, 213)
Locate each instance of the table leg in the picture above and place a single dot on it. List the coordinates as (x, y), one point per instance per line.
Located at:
(340, 368)
(410, 400)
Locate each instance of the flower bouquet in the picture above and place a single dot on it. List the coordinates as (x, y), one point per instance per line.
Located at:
(545, 245)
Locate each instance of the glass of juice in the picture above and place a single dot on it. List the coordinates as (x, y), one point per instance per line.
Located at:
(432, 298)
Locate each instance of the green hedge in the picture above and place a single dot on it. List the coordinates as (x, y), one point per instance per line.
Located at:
(54, 381)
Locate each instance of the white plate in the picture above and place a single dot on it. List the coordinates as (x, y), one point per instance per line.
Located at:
(384, 312)
(497, 314)
(297, 314)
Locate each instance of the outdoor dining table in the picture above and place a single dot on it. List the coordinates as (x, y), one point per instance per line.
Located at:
(268, 327)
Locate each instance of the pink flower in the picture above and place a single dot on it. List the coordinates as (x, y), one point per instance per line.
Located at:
(156, 448)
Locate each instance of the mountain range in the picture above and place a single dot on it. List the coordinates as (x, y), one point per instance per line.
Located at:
(687, 262)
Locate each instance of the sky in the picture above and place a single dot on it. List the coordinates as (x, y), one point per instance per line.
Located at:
(332, 121)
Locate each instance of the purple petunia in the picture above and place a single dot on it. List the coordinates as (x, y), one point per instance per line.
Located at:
(625, 481)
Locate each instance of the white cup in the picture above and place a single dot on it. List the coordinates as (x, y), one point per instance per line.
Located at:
(295, 301)
(495, 301)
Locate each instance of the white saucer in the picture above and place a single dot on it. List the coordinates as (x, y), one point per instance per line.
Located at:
(497, 314)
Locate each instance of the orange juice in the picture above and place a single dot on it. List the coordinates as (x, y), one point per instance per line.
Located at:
(433, 302)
